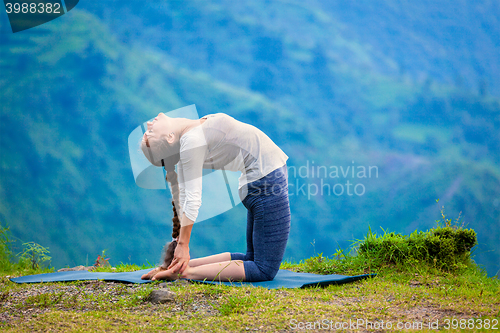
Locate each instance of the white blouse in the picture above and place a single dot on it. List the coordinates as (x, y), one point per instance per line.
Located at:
(223, 143)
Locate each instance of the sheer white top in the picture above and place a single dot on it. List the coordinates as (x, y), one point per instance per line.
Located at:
(223, 143)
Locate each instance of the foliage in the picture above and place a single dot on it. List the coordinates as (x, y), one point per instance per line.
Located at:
(443, 248)
(34, 256)
(5, 252)
(101, 260)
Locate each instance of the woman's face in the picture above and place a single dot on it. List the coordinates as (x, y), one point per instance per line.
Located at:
(157, 128)
(159, 140)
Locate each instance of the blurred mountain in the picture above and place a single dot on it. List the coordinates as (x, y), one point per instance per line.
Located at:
(407, 91)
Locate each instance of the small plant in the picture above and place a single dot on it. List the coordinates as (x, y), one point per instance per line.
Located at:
(447, 222)
(33, 255)
(101, 260)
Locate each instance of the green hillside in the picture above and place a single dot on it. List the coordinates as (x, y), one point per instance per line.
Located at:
(66, 177)
(69, 101)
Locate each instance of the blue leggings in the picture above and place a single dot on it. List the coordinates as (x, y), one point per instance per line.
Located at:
(268, 225)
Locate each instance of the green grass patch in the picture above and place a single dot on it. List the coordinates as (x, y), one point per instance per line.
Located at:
(420, 276)
(123, 268)
(445, 248)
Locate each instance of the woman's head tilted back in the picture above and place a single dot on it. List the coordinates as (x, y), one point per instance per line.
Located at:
(159, 144)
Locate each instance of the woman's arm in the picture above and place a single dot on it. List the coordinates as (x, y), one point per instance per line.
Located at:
(190, 169)
(182, 190)
(181, 254)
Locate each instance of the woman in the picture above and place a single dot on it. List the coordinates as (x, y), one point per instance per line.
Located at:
(219, 141)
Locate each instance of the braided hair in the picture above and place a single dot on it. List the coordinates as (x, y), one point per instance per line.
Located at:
(169, 248)
(171, 156)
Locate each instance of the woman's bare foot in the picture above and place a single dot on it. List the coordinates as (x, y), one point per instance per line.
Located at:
(167, 274)
(152, 273)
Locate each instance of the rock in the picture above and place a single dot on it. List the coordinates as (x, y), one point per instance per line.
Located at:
(77, 268)
(161, 296)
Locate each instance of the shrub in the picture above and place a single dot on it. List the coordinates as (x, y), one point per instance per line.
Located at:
(447, 248)
(32, 259)
(33, 256)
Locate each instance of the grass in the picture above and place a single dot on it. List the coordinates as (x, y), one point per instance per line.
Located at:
(405, 292)
(401, 298)
(122, 268)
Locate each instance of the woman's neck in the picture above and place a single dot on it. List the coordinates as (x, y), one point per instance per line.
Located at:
(185, 125)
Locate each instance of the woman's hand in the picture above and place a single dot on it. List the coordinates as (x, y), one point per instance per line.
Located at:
(181, 258)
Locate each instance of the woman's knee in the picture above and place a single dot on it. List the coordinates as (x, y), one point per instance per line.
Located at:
(256, 272)
(270, 272)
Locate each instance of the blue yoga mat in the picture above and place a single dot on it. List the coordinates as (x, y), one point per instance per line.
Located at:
(284, 279)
